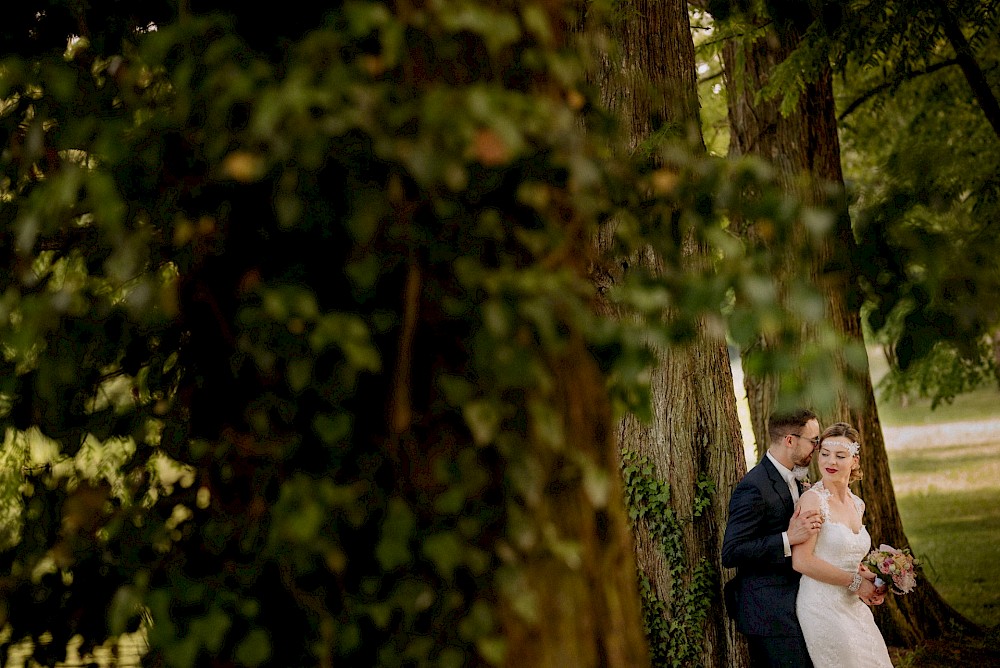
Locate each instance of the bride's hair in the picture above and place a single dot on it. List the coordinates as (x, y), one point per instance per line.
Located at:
(851, 434)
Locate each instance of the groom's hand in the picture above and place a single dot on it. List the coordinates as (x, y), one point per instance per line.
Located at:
(803, 525)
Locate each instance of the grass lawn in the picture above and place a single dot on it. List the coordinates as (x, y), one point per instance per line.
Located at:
(955, 532)
(949, 498)
(948, 492)
(978, 405)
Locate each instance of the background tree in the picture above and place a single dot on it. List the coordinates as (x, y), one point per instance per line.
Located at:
(925, 211)
(799, 136)
(921, 209)
(682, 460)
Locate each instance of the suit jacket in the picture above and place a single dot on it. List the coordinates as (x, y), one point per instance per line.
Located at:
(762, 596)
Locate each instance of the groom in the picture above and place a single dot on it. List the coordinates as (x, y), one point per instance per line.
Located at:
(759, 536)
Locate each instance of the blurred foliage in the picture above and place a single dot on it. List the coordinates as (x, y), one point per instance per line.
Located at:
(280, 295)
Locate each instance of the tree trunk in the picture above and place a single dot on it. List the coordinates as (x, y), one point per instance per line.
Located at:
(570, 596)
(758, 128)
(578, 606)
(695, 433)
(804, 148)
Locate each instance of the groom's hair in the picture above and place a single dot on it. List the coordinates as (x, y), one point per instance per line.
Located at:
(780, 425)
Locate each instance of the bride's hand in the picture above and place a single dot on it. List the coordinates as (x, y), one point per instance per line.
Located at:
(868, 573)
(868, 592)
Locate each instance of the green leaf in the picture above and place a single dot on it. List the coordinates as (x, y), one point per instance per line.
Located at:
(254, 649)
(332, 429)
(211, 629)
(303, 525)
(493, 649)
(364, 272)
(483, 419)
(393, 549)
(445, 550)
(299, 373)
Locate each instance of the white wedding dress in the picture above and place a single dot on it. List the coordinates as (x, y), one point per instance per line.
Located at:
(839, 628)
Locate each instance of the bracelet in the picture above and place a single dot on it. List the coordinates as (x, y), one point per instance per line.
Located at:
(855, 583)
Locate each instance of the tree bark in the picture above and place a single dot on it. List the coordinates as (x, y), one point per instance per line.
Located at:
(582, 604)
(570, 596)
(758, 128)
(695, 431)
(805, 150)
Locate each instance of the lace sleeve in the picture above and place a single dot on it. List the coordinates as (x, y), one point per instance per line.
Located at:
(859, 504)
(823, 495)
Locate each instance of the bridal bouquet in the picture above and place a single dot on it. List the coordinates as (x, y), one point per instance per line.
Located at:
(897, 566)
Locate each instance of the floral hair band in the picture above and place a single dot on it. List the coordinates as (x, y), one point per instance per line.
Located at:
(853, 447)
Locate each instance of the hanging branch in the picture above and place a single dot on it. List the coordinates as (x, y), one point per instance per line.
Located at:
(973, 73)
(893, 83)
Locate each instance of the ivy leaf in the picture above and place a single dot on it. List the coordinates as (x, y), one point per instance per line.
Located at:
(254, 649)
(445, 550)
(393, 549)
(483, 420)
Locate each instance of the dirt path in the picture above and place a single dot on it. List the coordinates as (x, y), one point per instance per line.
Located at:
(977, 432)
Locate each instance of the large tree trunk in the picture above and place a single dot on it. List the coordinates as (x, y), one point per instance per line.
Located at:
(758, 128)
(804, 148)
(695, 433)
(571, 597)
(583, 601)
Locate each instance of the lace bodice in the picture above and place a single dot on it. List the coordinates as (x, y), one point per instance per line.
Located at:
(837, 543)
(839, 628)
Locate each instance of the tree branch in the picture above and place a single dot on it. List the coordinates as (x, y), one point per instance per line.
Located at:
(888, 85)
(973, 72)
(710, 77)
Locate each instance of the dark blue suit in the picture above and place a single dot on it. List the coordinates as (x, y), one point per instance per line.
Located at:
(762, 596)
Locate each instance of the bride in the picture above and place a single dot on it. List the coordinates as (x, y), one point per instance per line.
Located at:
(838, 626)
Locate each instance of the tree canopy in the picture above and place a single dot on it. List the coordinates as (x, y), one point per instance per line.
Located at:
(919, 122)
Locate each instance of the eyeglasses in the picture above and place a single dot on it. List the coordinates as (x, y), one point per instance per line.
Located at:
(815, 441)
